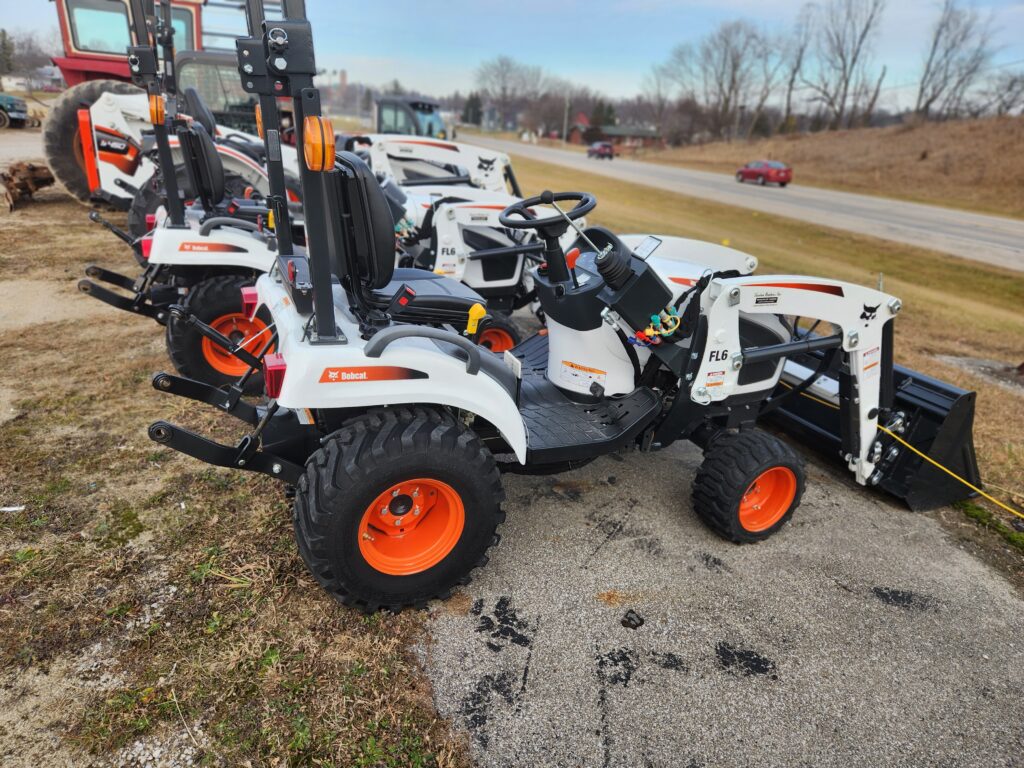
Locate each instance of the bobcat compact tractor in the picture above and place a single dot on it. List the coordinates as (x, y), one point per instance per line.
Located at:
(394, 432)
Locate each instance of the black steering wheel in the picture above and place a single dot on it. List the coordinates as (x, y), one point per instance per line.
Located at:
(585, 203)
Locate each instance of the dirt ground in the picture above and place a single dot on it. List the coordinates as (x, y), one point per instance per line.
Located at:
(153, 611)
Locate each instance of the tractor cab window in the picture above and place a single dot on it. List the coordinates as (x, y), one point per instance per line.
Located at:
(429, 120)
(181, 20)
(221, 91)
(395, 119)
(99, 26)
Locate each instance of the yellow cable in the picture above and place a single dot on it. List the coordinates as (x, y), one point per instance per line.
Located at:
(949, 472)
(922, 455)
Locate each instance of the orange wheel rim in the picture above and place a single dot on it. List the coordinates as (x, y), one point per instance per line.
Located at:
(412, 526)
(767, 499)
(238, 327)
(496, 339)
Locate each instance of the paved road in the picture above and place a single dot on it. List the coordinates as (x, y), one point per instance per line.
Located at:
(860, 635)
(990, 239)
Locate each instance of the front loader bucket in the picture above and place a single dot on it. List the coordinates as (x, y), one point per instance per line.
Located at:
(938, 420)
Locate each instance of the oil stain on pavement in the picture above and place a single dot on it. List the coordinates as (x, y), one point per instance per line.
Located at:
(865, 632)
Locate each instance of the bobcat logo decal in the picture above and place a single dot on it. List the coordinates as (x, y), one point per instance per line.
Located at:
(869, 313)
(486, 165)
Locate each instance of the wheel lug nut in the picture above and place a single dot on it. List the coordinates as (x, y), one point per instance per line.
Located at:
(416, 511)
(416, 493)
(394, 493)
(398, 521)
(383, 510)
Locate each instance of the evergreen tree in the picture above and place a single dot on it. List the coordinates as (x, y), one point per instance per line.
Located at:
(473, 111)
(6, 54)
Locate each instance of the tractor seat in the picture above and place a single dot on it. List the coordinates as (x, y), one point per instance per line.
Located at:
(366, 231)
(432, 292)
(197, 109)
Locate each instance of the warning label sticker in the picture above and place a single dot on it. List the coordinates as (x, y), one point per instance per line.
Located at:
(581, 376)
(870, 360)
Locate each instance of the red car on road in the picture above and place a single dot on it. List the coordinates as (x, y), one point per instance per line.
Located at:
(765, 172)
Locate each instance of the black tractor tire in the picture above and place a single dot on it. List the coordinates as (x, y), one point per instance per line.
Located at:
(61, 141)
(152, 195)
(500, 334)
(372, 457)
(5, 120)
(748, 486)
(217, 301)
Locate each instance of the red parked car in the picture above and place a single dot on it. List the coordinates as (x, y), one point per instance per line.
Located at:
(765, 172)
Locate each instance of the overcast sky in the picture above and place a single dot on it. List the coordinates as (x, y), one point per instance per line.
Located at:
(609, 45)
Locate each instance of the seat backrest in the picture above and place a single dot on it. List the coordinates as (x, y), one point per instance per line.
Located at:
(196, 108)
(202, 164)
(363, 224)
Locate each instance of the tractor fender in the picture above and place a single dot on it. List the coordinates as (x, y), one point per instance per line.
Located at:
(229, 247)
(410, 370)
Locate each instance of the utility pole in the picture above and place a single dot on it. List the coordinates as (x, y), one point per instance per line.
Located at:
(565, 121)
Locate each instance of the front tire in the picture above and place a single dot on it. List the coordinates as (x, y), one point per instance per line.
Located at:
(397, 508)
(748, 486)
(217, 301)
(761, 180)
(5, 120)
(739, 177)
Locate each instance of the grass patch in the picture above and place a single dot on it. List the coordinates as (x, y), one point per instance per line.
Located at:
(986, 519)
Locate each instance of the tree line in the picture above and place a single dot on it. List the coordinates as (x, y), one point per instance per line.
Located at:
(740, 80)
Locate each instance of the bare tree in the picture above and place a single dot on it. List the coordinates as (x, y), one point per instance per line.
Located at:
(655, 97)
(959, 50)
(844, 31)
(1002, 95)
(719, 72)
(796, 47)
(769, 54)
(509, 84)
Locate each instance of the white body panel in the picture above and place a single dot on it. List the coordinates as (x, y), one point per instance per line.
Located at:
(485, 167)
(577, 359)
(128, 115)
(308, 381)
(222, 247)
(450, 221)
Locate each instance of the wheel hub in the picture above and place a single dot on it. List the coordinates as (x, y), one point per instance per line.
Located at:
(411, 526)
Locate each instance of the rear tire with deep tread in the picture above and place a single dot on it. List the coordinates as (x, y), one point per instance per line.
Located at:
(731, 465)
(208, 300)
(60, 132)
(364, 458)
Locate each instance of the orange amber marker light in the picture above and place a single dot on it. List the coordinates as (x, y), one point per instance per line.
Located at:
(259, 122)
(156, 109)
(318, 143)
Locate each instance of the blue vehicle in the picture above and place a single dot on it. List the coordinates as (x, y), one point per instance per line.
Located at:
(13, 112)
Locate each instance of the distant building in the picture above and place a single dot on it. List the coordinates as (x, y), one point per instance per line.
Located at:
(624, 137)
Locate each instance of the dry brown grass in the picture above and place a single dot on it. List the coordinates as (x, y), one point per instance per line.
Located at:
(176, 584)
(974, 164)
(951, 306)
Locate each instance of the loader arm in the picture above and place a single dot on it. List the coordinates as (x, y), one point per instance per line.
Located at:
(862, 315)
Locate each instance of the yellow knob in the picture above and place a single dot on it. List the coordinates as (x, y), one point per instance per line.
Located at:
(270, 219)
(476, 314)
